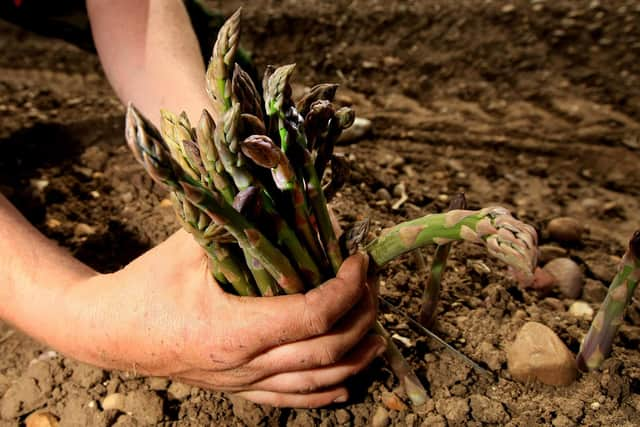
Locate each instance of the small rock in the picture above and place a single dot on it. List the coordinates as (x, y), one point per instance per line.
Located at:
(508, 8)
(595, 406)
(343, 416)
(179, 391)
(358, 130)
(157, 383)
(383, 194)
(393, 402)
(83, 230)
(549, 252)
(565, 230)
(568, 274)
(39, 184)
(581, 309)
(538, 354)
(164, 203)
(41, 419)
(113, 401)
(380, 417)
(53, 223)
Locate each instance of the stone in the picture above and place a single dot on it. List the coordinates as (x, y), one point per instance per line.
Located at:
(549, 252)
(569, 276)
(380, 417)
(83, 230)
(538, 354)
(581, 309)
(157, 383)
(565, 230)
(179, 391)
(358, 130)
(113, 401)
(41, 419)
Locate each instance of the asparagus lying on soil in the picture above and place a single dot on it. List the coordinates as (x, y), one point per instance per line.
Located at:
(247, 185)
(597, 343)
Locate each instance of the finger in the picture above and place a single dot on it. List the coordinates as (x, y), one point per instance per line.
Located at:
(322, 350)
(310, 380)
(295, 400)
(290, 318)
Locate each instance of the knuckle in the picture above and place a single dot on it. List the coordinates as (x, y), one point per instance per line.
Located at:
(315, 321)
(328, 356)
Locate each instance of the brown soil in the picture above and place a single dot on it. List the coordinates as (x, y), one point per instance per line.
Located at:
(531, 105)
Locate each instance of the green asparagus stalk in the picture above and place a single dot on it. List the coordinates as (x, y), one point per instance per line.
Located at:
(431, 294)
(218, 71)
(262, 150)
(505, 238)
(597, 344)
(155, 157)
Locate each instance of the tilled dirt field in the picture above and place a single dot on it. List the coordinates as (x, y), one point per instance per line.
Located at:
(533, 105)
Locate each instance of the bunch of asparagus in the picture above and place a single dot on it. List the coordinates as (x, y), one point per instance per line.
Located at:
(248, 186)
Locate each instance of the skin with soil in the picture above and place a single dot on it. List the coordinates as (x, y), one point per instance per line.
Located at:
(531, 105)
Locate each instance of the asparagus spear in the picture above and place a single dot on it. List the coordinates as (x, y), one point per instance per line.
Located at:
(224, 50)
(506, 238)
(597, 343)
(155, 157)
(431, 294)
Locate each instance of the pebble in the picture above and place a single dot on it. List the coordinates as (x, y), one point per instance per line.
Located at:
(565, 230)
(380, 417)
(549, 252)
(383, 194)
(157, 383)
(113, 401)
(569, 276)
(595, 406)
(179, 391)
(83, 230)
(581, 309)
(41, 419)
(164, 203)
(391, 401)
(538, 354)
(39, 184)
(358, 130)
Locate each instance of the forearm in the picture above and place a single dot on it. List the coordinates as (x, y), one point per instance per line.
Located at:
(35, 274)
(150, 54)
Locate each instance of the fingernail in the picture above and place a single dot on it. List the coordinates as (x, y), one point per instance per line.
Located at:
(340, 399)
(365, 263)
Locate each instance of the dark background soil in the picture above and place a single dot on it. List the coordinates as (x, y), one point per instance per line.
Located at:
(534, 105)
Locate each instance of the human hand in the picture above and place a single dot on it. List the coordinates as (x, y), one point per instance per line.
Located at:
(164, 315)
